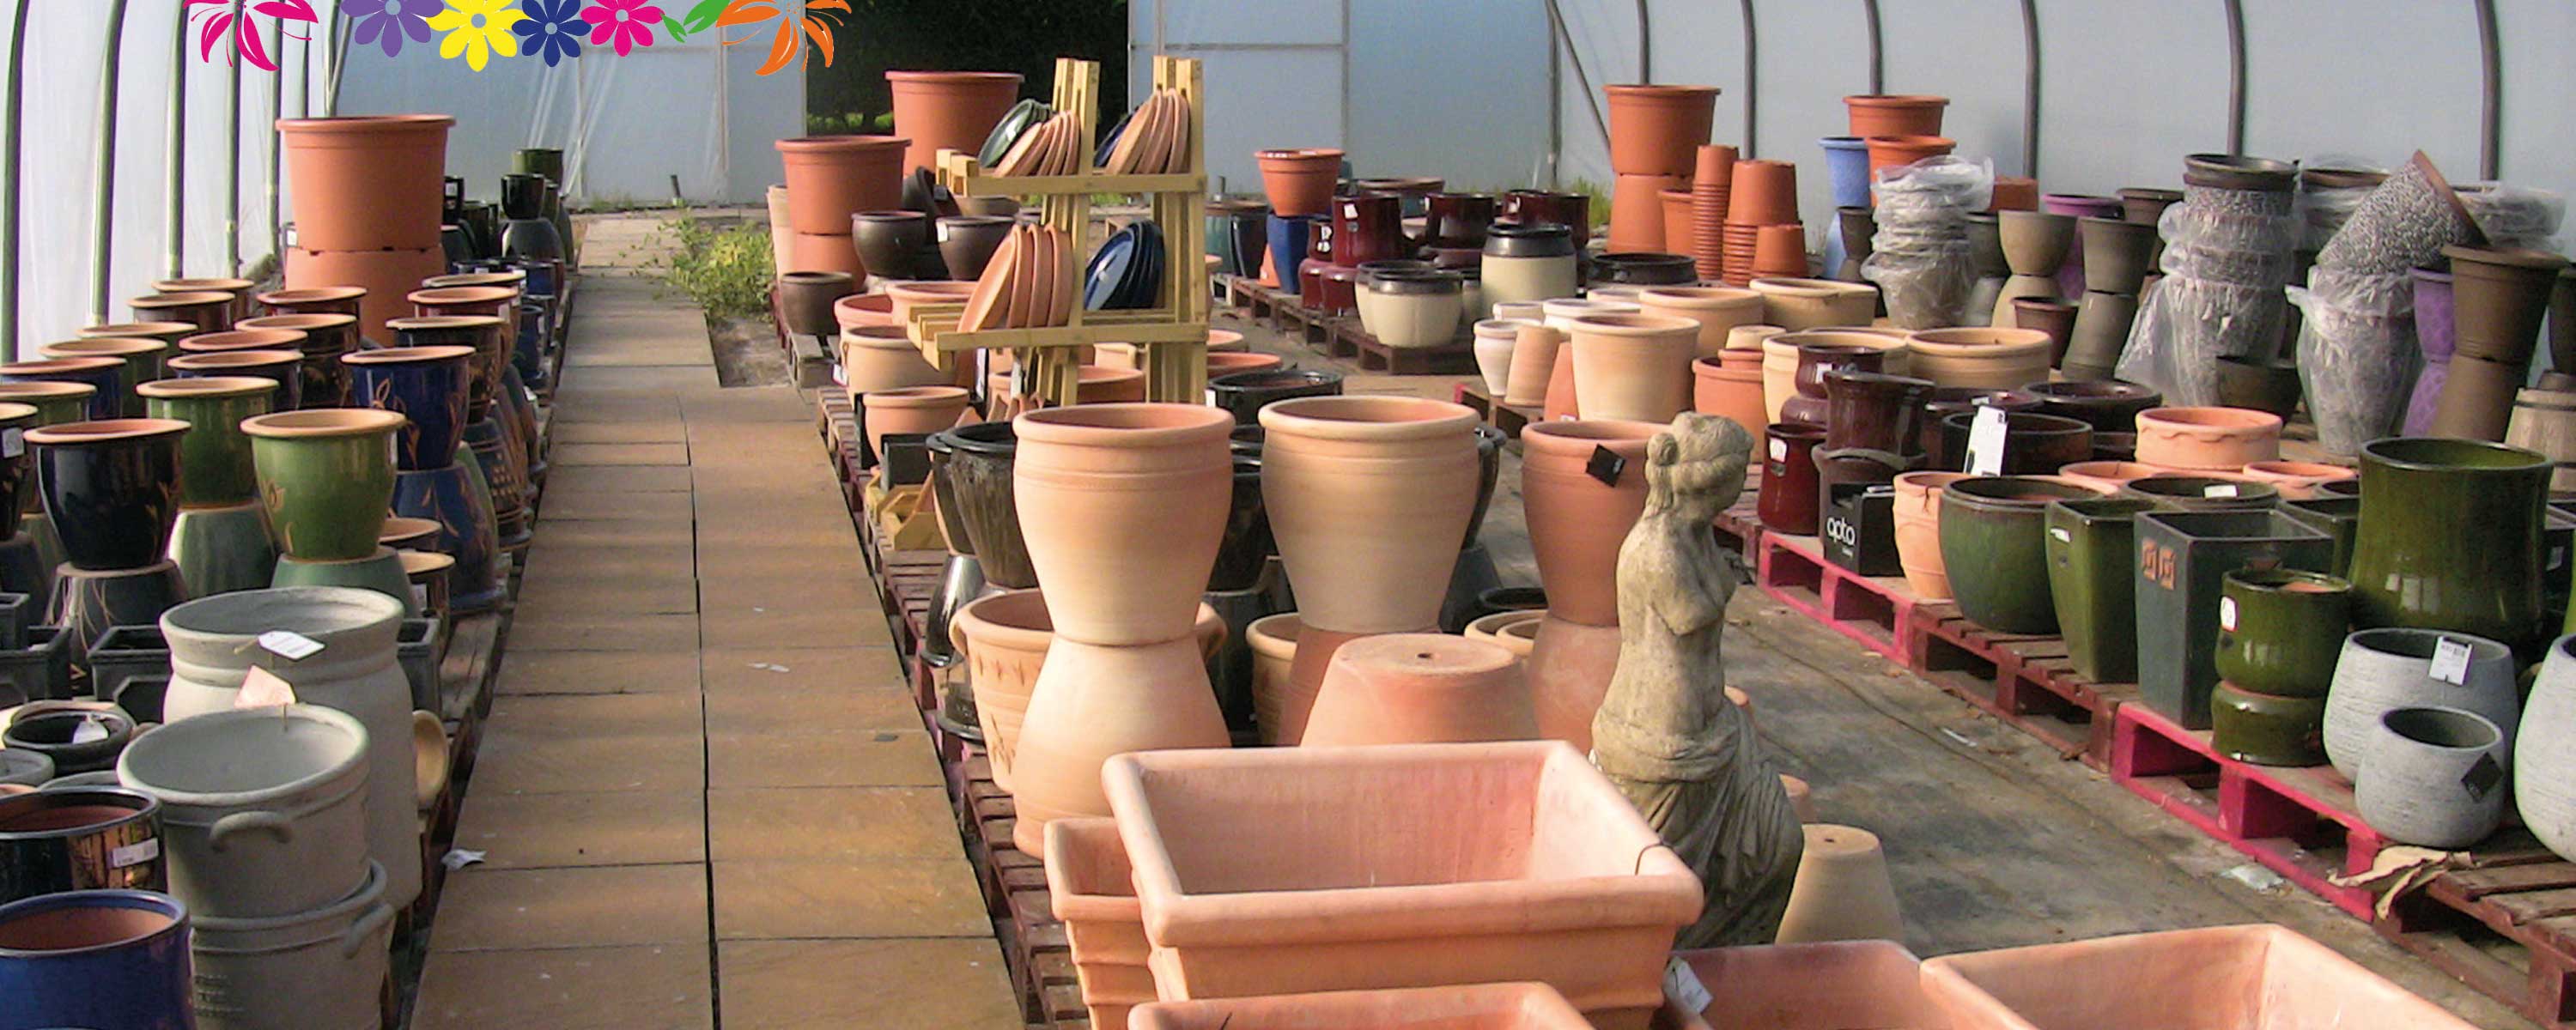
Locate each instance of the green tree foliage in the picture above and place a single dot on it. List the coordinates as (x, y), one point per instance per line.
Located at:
(1024, 36)
(727, 271)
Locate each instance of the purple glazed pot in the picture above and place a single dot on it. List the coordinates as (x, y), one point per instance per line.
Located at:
(2070, 273)
(2434, 332)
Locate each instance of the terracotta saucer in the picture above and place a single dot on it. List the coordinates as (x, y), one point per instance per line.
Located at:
(983, 307)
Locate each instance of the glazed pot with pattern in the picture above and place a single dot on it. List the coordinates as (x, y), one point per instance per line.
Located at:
(1895, 114)
(1579, 513)
(1918, 532)
(209, 311)
(220, 538)
(326, 478)
(1367, 496)
(1787, 502)
(142, 358)
(1123, 506)
(2279, 630)
(2450, 538)
(2089, 545)
(326, 338)
(16, 493)
(1993, 542)
(428, 386)
(110, 488)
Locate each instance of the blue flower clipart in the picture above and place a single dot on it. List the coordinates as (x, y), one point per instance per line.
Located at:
(553, 29)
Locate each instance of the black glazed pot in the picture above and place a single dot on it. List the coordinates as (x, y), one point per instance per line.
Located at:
(952, 512)
(967, 243)
(1489, 463)
(979, 477)
(57, 840)
(1247, 544)
(1246, 441)
(1245, 393)
(2034, 444)
(1644, 269)
(2108, 405)
(523, 196)
(111, 488)
(890, 242)
(1951, 400)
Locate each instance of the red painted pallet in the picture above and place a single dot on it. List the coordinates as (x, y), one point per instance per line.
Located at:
(2506, 927)
(2298, 822)
(2027, 681)
(1875, 611)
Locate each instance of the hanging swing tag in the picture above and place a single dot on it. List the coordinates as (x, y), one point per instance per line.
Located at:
(1683, 989)
(2451, 662)
(1986, 442)
(2227, 614)
(1606, 464)
(290, 645)
(262, 689)
(2218, 491)
(91, 728)
(13, 442)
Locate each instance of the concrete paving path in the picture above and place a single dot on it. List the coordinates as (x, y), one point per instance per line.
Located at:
(703, 796)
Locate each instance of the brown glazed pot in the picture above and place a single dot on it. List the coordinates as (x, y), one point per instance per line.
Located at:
(806, 299)
(2054, 317)
(1873, 411)
(2034, 444)
(1788, 499)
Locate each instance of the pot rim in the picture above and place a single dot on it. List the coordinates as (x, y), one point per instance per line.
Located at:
(243, 339)
(2207, 418)
(913, 397)
(2400, 641)
(1264, 636)
(323, 423)
(405, 527)
(404, 355)
(1575, 307)
(1698, 298)
(1970, 491)
(814, 278)
(121, 798)
(1896, 100)
(236, 359)
(42, 366)
(2300, 469)
(211, 284)
(2274, 580)
(2090, 390)
(115, 330)
(363, 123)
(442, 296)
(444, 322)
(187, 299)
(239, 618)
(1297, 156)
(206, 386)
(102, 346)
(1963, 341)
(1574, 437)
(931, 77)
(1286, 378)
(1123, 424)
(370, 893)
(1365, 417)
(840, 144)
(1634, 324)
(418, 563)
(2190, 485)
(48, 389)
(1799, 286)
(298, 321)
(106, 430)
(213, 722)
(513, 277)
(173, 911)
(2382, 452)
(2472, 720)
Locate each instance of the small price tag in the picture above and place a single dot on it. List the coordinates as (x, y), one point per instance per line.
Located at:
(2227, 614)
(2059, 534)
(288, 644)
(262, 689)
(1211, 398)
(2482, 777)
(91, 728)
(137, 853)
(1683, 989)
(420, 595)
(1986, 442)
(1779, 449)
(2218, 490)
(13, 442)
(2451, 662)
(1606, 464)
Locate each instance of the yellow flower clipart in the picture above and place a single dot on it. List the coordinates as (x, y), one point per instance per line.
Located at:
(477, 29)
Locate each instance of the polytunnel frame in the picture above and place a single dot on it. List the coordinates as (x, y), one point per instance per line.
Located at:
(102, 201)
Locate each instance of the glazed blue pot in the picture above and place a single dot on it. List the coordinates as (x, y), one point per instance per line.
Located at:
(107, 374)
(528, 349)
(428, 386)
(105, 958)
(111, 488)
(1847, 168)
(458, 500)
(1288, 238)
(286, 370)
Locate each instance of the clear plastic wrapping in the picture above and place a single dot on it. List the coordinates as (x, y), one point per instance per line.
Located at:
(2514, 216)
(2225, 265)
(2324, 209)
(1920, 256)
(2358, 356)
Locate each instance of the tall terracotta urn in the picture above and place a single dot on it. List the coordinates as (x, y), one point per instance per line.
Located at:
(1579, 509)
(948, 110)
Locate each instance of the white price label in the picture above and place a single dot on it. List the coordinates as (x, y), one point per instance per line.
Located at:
(2451, 661)
(1211, 398)
(2227, 614)
(91, 728)
(2059, 534)
(1779, 449)
(1683, 989)
(13, 442)
(2215, 491)
(137, 853)
(288, 644)
(1986, 442)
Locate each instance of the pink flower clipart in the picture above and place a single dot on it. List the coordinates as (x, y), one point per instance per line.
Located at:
(628, 22)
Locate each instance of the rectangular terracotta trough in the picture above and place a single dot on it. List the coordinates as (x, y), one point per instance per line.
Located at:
(2220, 978)
(1297, 870)
(1093, 891)
(1520, 1006)
(1833, 985)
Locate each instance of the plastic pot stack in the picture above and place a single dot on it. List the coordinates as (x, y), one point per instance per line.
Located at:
(830, 178)
(367, 195)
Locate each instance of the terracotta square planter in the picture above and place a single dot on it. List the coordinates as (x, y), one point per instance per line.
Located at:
(1875, 985)
(1520, 1006)
(2258, 977)
(1289, 871)
(1092, 889)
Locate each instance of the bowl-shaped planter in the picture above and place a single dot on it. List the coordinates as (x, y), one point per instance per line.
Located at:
(1123, 506)
(2109, 405)
(1992, 543)
(2034, 444)
(326, 477)
(1578, 517)
(1368, 497)
(2221, 439)
(2257, 977)
(1501, 1006)
(2433, 776)
(2297, 480)
(2384, 669)
(1995, 359)
(1288, 871)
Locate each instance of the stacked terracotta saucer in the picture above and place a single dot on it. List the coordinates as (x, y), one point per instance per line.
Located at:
(1712, 182)
(1761, 193)
(1028, 284)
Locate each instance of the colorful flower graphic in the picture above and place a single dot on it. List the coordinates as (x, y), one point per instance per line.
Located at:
(786, 45)
(478, 29)
(628, 22)
(248, 41)
(384, 24)
(552, 29)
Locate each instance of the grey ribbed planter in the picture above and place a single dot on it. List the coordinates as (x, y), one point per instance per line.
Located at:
(2433, 776)
(2389, 668)
(2544, 783)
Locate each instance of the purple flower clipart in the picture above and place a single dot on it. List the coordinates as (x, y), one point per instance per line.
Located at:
(384, 23)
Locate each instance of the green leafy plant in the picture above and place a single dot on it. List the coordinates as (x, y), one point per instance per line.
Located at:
(727, 271)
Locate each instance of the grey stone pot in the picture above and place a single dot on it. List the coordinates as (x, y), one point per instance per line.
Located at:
(2544, 765)
(2381, 669)
(263, 810)
(2433, 776)
(321, 968)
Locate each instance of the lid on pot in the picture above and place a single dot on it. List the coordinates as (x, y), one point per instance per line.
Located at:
(1417, 282)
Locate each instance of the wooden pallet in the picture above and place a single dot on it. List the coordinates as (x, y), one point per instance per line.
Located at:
(1341, 335)
(2506, 927)
(1508, 418)
(2298, 822)
(1875, 611)
(2025, 680)
(1034, 944)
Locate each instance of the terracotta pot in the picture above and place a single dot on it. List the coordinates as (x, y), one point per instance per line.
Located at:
(1534, 361)
(831, 177)
(1273, 640)
(1420, 688)
(1675, 207)
(1577, 521)
(1998, 359)
(1632, 366)
(1004, 638)
(2499, 298)
(1102, 385)
(948, 110)
(1299, 182)
(1122, 506)
(1366, 496)
(1658, 130)
(1897, 151)
(1730, 393)
(911, 409)
(386, 276)
(2207, 438)
(1796, 304)
(1788, 492)
(1895, 114)
(1717, 310)
(1842, 892)
(1598, 929)
(1513, 1006)
(1637, 211)
(326, 478)
(372, 183)
(1092, 888)
(1494, 340)
(1093, 701)
(883, 358)
(1918, 532)
(1762, 193)
(2297, 480)
(2204, 979)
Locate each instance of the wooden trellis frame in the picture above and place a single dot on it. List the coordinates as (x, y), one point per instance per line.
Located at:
(1171, 337)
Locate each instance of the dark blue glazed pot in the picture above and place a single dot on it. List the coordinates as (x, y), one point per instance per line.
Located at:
(462, 506)
(105, 958)
(283, 367)
(111, 488)
(428, 386)
(107, 374)
(1288, 240)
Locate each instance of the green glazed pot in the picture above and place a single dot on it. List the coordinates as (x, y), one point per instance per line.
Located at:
(2202, 493)
(2450, 538)
(2089, 582)
(142, 357)
(214, 458)
(55, 403)
(2336, 517)
(2280, 630)
(1992, 534)
(326, 477)
(2267, 729)
(220, 550)
(381, 571)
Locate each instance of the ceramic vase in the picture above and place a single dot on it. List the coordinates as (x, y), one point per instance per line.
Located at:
(97, 958)
(1580, 508)
(110, 488)
(2381, 670)
(2449, 538)
(1366, 496)
(2433, 776)
(2544, 780)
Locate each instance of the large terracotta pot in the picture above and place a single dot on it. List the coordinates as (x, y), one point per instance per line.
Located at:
(1895, 114)
(948, 110)
(1420, 688)
(368, 183)
(910, 409)
(1730, 393)
(386, 276)
(1367, 498)
(1273, 639)
(1896, 151)
(1717, 309)
(830, 178)
(1794, 304)
(1918, 532)
(1004, 638)
(1576, 520)
(1633, 366)
(1092, 702)
(1123, 506)
(1658, 130)
(1299, 182)
(326, 478)
(2450, 538)
(1996, 359)
(882, 357)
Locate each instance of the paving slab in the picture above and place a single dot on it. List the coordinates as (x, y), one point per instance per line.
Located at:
(948, 984)
(645, 987)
